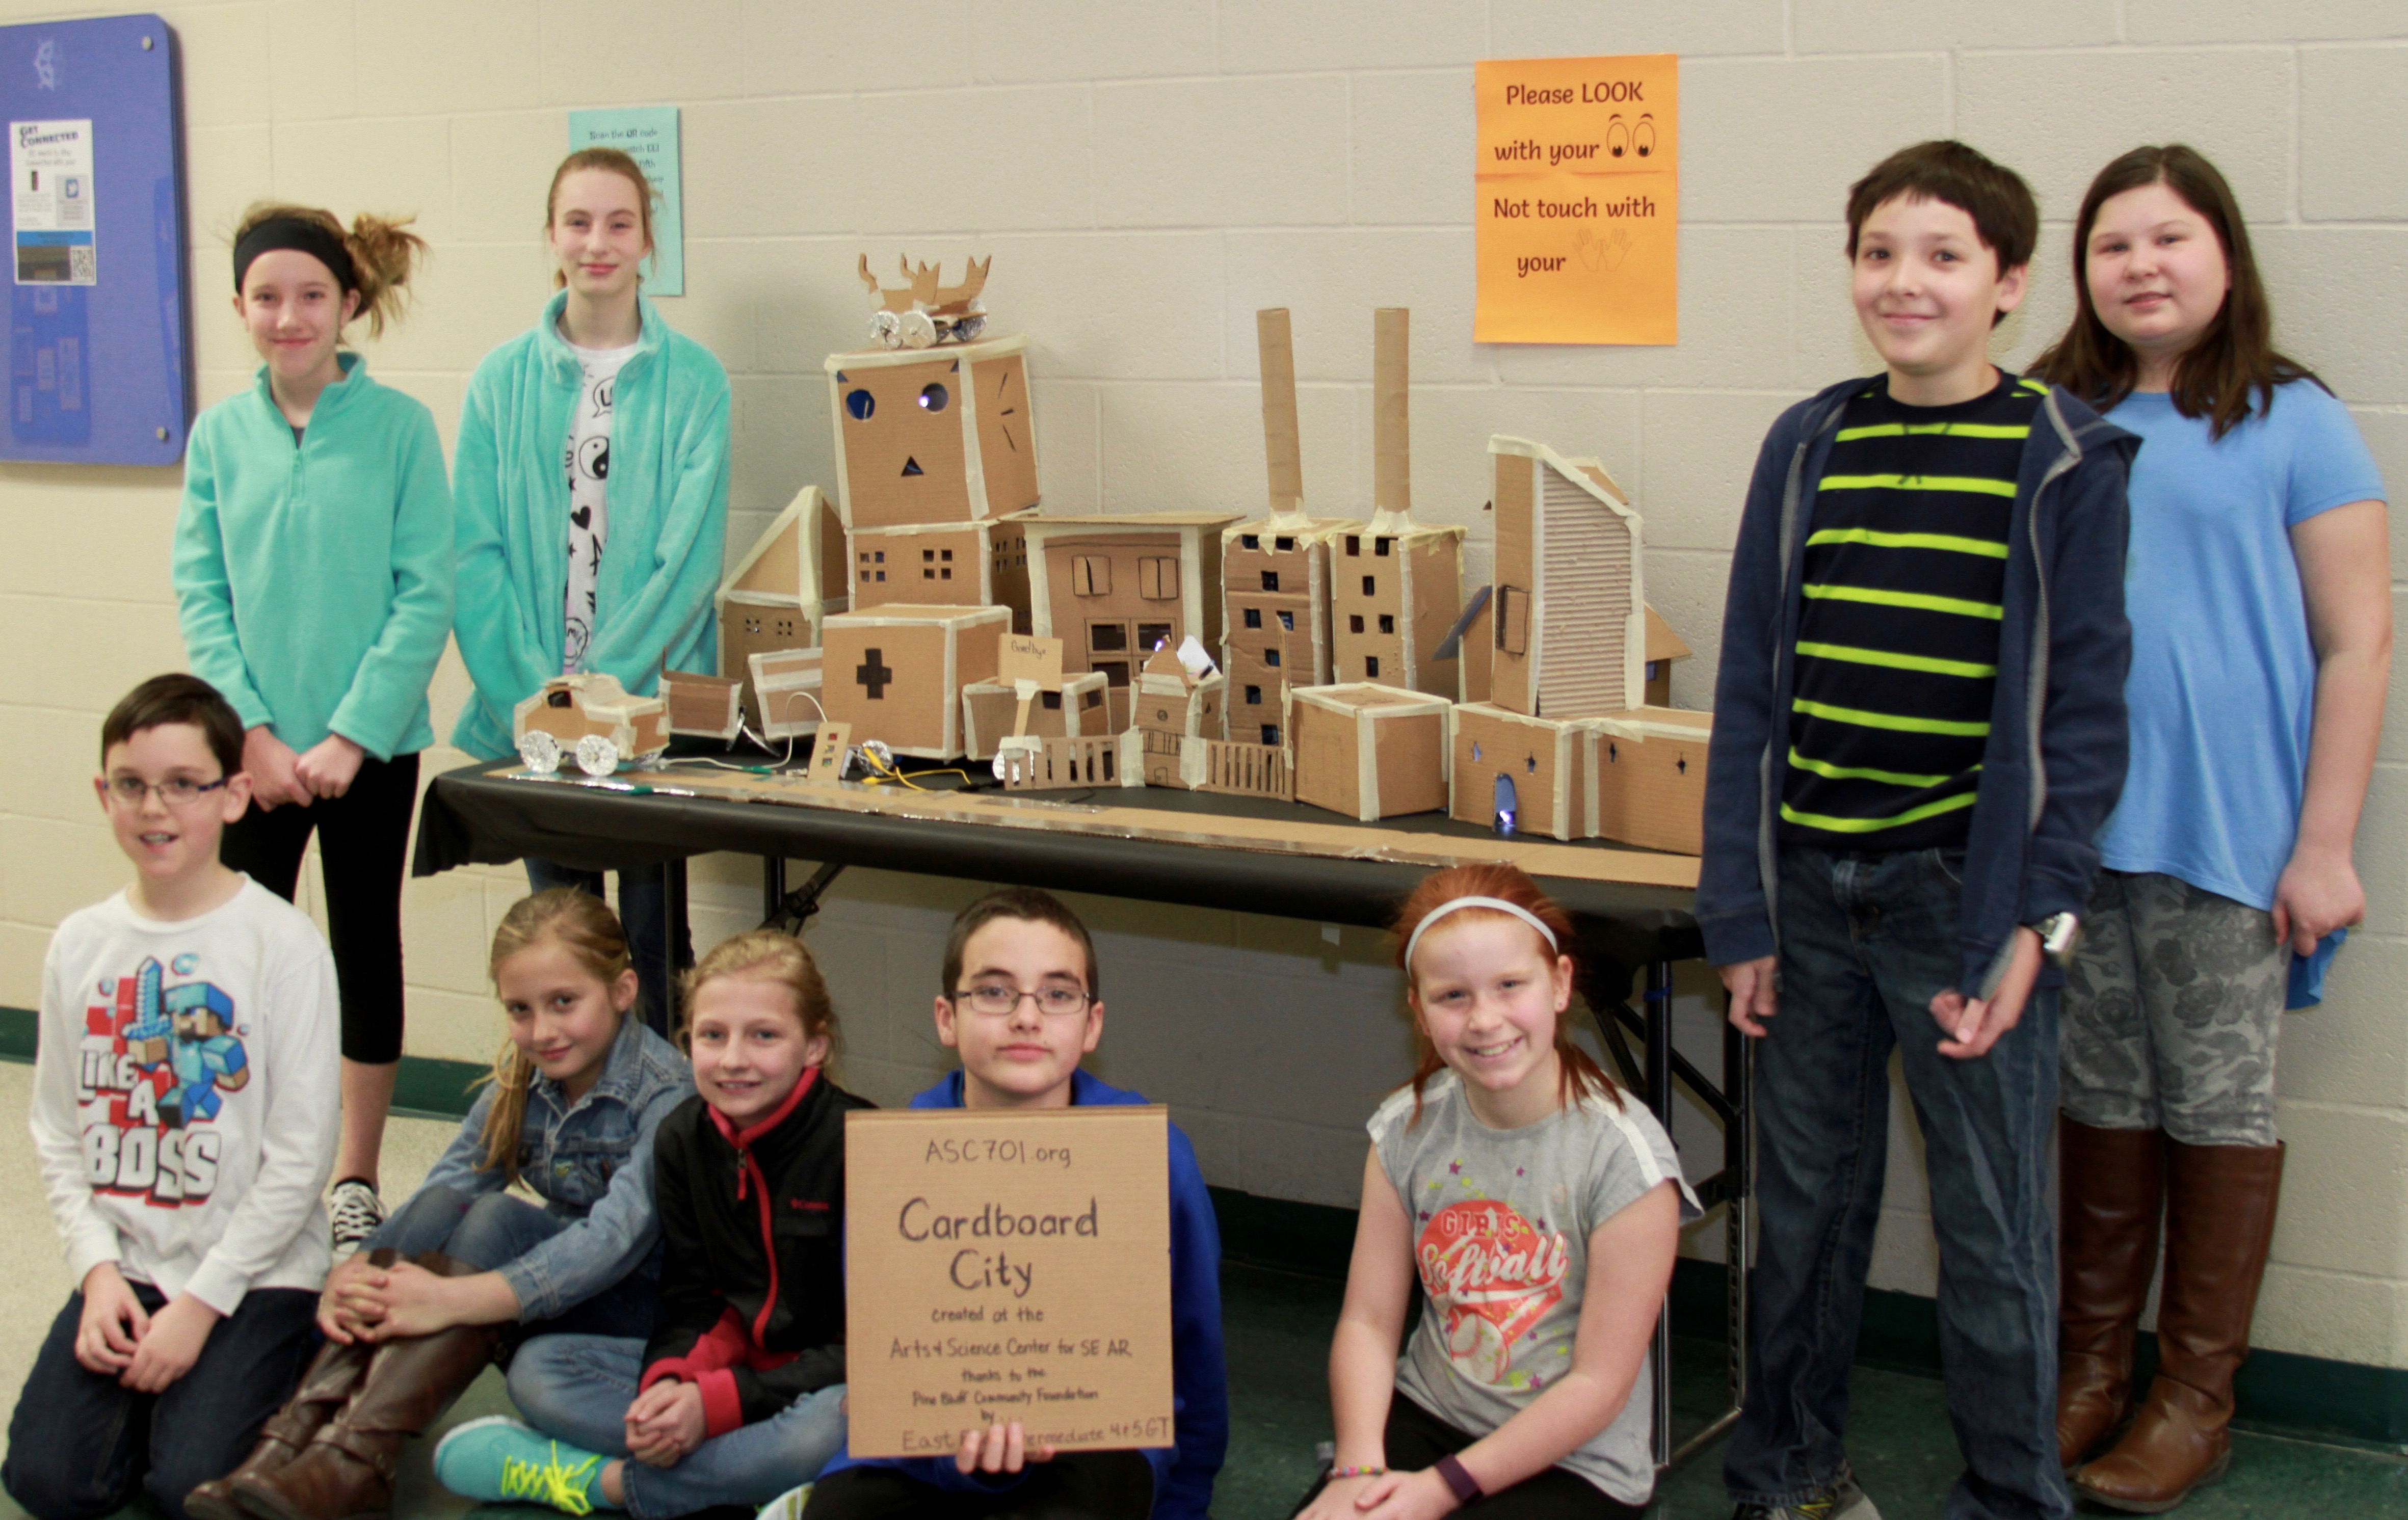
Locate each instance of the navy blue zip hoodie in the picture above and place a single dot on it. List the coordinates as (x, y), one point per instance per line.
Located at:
(1183, 1471)
(2054, 763)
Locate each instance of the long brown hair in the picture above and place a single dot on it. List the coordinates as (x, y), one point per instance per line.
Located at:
(383, 252)
(771, 956)
(580, 923)
(621, 164)
(2235, 357)
(1579, 1077)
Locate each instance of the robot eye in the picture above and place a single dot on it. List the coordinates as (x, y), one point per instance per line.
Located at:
(934, 397)
(860, 404)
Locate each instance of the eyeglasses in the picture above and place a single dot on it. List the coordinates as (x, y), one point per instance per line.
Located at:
(176, 791)
(998, 999)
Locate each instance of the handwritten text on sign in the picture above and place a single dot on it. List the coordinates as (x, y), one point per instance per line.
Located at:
(1005, 1266)
(1578, 188)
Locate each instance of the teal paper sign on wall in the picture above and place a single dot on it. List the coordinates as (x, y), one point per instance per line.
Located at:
(648, 135)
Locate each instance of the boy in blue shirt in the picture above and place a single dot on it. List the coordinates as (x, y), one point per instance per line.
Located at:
(1019, 1002)
(1918, 728)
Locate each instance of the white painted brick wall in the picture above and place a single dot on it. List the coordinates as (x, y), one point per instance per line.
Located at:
(1149, 172)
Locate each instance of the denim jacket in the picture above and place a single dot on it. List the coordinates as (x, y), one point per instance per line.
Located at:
(590, 1161)
(2054, 763)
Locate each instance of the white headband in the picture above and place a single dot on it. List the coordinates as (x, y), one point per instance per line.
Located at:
(1499, 904)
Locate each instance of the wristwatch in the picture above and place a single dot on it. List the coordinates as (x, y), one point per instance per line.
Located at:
(2058, 934)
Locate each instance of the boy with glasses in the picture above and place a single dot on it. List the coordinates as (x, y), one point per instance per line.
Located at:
(184, 1111)
(1019, 1002)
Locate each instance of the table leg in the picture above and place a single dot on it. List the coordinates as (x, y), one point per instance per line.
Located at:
(773, 885)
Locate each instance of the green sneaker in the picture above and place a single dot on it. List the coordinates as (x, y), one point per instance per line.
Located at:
(786, 1506)
(1843, 1500)
(498, 1459)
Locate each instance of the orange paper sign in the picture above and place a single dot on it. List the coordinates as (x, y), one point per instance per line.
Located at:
(1579, 191)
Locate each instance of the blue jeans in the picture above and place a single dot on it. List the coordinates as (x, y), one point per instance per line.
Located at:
(486, 1229)
(1866, 942)
(644, 913)
(577, 1388)
(80, 1444)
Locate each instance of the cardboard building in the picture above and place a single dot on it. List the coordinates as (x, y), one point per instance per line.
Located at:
(1397, 586)
(1644, 778)
(1504, 762)
(1174, 705)
(1113, 587)
(1366, 750)
(896, 673)
(1275, 568)
(942, 565)
(1568, 620)
(1071, 707)
(781, 591)
(786, 685)
(942, 435)
(707, 707)
(1664, 651)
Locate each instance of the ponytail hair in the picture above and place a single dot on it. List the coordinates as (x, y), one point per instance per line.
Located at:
(583, 925)
(381, 253)
(770, 956)
(1579, 1076)
(613, 161)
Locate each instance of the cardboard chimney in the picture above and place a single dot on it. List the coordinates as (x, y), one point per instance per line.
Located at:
(1275, 569)
(941, 435)
(781, 591)
(1397, 585)
(1568, 620)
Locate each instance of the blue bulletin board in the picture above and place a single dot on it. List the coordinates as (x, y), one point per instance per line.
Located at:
(95, 242)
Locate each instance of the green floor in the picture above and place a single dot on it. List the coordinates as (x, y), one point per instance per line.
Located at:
(1277, 1330)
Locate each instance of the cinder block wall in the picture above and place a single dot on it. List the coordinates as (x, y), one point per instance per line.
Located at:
(1148, 174)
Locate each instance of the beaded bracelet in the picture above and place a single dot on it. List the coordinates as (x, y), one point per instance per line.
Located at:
(1336, 1473)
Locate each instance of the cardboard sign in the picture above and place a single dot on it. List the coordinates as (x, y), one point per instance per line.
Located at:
(828, 750)
(1578, 188)
(1026, 657)
(1007, 1266)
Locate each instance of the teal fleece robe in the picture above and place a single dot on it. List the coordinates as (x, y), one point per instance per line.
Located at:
(668, 500)
(314, 580)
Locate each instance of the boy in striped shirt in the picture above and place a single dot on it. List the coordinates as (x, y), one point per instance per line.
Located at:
(1918, 727)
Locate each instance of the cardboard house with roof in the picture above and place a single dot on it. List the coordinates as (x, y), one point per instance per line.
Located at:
(1568, 618)
(779, 594)
(941, 435)
(1113, 587)
(1275, 568)
(944, 564)
(1397, 585)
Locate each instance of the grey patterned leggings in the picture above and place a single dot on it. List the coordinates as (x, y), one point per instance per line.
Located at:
(2170, 1013)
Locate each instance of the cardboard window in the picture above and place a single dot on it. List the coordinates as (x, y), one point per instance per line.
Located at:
(1115, 672)
(1370, 585)
(1271, 733)
(1091, 575)
(1287, 621)
(1254, 541)
(1282, 545)
(1354, 622)
(1157, 579)
(1380, 545)
(1387, 623)
(1253, 617)
(1092, 699)
(1108, 636)
(1050, 701)
(1253, 697)
(1151, 636)
(1354, 544)
(1371, 668)
(1271, 656)
(1270, 580)
(1513, 620)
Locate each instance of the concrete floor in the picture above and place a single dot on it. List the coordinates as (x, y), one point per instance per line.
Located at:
(1277, 1328)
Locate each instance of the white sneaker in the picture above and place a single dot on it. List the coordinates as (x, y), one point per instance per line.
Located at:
(786, 1506)
(355, 1211)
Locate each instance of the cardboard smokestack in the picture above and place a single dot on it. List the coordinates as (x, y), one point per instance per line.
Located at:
(1280, 446)
(1392, 469)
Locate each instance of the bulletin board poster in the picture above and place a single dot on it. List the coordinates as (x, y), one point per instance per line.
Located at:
(1578, 186)
(648, 135)
(1007, 1266)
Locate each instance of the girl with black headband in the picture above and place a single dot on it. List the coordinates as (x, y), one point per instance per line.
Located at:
(590, 473)
(314, 577)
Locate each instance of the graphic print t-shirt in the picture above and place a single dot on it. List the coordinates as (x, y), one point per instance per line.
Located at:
(185, 1104)
(588, 466)
(1500, 1222)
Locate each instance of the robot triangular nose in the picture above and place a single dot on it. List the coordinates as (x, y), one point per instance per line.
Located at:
(912, 466)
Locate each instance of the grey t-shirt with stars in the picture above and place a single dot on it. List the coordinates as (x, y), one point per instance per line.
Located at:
(1502, 1220)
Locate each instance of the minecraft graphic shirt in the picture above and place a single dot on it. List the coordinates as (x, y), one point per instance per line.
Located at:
(1500, 1221)
(588, 464)
(185, 1104)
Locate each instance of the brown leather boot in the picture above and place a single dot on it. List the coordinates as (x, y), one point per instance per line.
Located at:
(2110, 1184)
(327, 1382)
(2219, 1222)
(347, 1471)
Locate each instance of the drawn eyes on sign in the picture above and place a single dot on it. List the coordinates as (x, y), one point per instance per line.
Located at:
(859, 404)
(1617, 135)
(934, 397)
(1643, 137)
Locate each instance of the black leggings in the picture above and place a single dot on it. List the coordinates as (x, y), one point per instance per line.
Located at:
(362, 843)
(1076, 1486)
(1415, 1437)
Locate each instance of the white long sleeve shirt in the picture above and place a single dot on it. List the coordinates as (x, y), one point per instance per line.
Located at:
(185, 1095)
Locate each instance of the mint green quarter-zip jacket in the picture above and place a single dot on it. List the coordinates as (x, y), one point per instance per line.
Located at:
(313, 580)
(668, 502)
